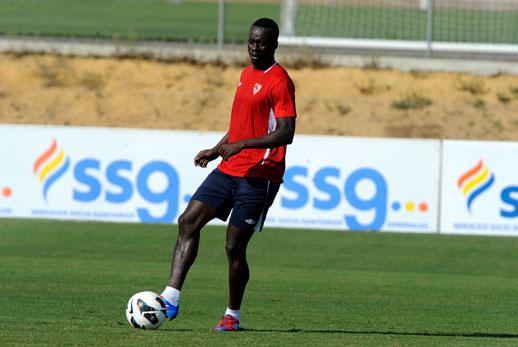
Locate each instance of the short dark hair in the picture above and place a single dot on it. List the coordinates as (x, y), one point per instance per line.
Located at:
(268, 24)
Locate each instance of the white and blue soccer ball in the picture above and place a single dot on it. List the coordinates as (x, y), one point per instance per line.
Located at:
(145, 310)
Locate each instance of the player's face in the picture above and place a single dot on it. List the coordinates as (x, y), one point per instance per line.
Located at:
(261, 45)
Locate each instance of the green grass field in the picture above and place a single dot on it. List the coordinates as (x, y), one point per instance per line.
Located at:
(67, 283)
(130, 19)
(196, 21)
(406, 23)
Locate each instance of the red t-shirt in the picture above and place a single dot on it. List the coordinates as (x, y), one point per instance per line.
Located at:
(261, 97)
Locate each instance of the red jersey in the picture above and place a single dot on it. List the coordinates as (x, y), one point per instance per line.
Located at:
(261, 97)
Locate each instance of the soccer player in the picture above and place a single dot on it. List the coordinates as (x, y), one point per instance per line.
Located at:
(246, 181)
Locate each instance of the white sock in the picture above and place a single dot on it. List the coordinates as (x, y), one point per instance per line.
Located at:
(234, 313)
(172, 295)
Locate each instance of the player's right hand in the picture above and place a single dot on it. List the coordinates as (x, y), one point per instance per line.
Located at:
(204, 157)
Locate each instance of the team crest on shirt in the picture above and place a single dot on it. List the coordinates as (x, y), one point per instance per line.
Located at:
(257, 88)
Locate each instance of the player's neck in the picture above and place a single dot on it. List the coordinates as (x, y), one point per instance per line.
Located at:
(263, 66)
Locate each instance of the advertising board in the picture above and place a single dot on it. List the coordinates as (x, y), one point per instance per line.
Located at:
(479, 193)
(148, 176)
(353, 183)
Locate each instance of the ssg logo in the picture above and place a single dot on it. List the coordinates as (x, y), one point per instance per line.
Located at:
(475, 182)
(151, 189)
(50, 166)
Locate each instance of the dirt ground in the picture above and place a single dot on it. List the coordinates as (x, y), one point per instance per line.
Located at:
(46, 89)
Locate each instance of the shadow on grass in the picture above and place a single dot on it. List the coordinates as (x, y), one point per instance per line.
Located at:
(402, 333)
(177, 330)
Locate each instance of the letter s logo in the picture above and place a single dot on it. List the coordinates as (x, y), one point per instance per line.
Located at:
(292, 185)
(124, 184)
(510, 200)
(82, 176)
(324, 186)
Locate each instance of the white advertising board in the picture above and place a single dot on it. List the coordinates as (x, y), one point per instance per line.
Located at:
(148, 176)
(98, 174)
(479, 188)
(360, 184)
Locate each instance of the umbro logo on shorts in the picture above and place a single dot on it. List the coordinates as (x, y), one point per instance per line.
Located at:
(250, 221)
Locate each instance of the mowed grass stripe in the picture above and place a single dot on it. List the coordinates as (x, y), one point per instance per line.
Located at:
(408, 23)
(196, 21)
(69, 282)
(130, 19)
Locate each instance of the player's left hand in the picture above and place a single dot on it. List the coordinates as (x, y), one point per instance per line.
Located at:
(229, 149)
(204, 157)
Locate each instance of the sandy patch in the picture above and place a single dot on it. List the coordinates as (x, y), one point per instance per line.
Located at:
(45, 89)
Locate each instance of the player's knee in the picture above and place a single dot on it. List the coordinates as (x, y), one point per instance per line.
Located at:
(234, 251)
(186, 225)
(182, 221)
(230, 248)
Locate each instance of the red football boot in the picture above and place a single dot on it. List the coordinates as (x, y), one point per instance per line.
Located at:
(228, 323)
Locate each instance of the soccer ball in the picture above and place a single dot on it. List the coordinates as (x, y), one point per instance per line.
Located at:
(145, 310)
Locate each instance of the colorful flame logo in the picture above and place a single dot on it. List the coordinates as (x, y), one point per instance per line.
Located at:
(475, 181)
(50, 166)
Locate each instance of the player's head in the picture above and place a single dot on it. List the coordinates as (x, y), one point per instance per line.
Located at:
(262, 42)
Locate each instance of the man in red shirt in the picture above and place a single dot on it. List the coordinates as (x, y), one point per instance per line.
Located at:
(246, 181)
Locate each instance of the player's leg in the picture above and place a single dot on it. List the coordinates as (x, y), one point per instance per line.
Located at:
(238, 275)
(238, 270)
(252, 199)
(196, 216)
(190, 223)
(209, 201)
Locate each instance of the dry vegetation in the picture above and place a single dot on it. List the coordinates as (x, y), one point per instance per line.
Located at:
(45, 89)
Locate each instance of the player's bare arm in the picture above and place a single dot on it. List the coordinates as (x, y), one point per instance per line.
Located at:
(283, 135)
(207, 155)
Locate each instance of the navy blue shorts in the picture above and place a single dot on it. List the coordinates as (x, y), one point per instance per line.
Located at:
(248, 198)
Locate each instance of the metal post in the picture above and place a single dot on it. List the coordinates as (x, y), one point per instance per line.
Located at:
(289, 10)
(439, 194)
(429, 27)
(221, 24)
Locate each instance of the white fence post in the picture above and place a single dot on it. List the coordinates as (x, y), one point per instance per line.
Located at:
(429, 26)
(221, 24)
(288, 15)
